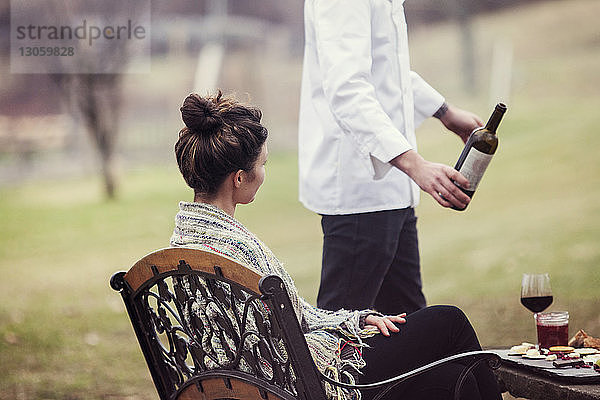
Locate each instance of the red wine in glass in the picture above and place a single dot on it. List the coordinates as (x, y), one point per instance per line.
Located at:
(536, 304)
(536, 293)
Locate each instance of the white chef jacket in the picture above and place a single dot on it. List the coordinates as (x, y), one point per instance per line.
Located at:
(359, 106)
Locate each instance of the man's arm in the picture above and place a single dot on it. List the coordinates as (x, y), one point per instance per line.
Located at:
(437, 179)
(433, 178)
(343, 44)
(458, 121)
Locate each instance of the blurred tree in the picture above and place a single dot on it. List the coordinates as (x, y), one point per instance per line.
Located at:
(462, 12)
(97, 99)
(459, 11)
(92, 87)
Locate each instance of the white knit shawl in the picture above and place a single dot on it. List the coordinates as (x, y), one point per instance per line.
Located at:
(205, 226)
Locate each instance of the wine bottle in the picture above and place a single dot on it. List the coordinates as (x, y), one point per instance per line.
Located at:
(478, 152)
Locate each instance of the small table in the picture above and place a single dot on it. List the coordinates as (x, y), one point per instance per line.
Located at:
(522, 380)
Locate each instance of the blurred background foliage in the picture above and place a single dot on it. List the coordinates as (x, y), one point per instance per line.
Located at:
(64, 333)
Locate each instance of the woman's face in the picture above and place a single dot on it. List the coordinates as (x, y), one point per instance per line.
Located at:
(255, 178)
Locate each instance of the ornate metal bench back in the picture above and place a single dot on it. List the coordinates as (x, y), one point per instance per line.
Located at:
(198, 316)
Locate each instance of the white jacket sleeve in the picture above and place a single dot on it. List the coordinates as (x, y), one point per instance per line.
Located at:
(427, 99)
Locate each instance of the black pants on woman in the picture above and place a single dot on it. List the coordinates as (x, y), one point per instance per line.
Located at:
(428, 335)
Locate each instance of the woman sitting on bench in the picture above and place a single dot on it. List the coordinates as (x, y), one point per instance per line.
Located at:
(221, 154)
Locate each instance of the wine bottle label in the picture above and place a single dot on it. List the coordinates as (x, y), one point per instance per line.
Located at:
(474, 166)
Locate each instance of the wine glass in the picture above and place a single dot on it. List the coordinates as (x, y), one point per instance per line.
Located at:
(536, 293)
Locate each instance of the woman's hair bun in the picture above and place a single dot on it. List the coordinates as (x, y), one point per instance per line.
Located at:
(201, 115)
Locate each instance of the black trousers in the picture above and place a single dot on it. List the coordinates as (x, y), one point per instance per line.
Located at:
(428, 335)
(371, 260)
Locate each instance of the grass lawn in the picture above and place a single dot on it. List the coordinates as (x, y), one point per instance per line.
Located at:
(64, 333)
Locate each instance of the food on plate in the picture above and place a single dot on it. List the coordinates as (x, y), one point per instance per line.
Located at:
(591, 359)
(577, 340)
(519, 349)
(567, 363)
(561, 349)
(562, 356)
(533, 354)
(586, 351)
(582, 339)
(592, 342)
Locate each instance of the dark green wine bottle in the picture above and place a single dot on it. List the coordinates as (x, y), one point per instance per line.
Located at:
(478, 152)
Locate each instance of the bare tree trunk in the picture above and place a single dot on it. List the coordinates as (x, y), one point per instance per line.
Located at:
(92, 83)
(97, 98)
(110, 175)
(463, 15)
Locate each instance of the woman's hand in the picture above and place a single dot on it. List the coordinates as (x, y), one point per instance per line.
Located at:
(386, 323)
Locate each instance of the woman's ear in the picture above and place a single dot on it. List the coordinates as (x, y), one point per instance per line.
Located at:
(238, 178)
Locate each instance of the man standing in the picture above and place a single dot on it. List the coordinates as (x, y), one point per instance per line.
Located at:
(359, 168)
